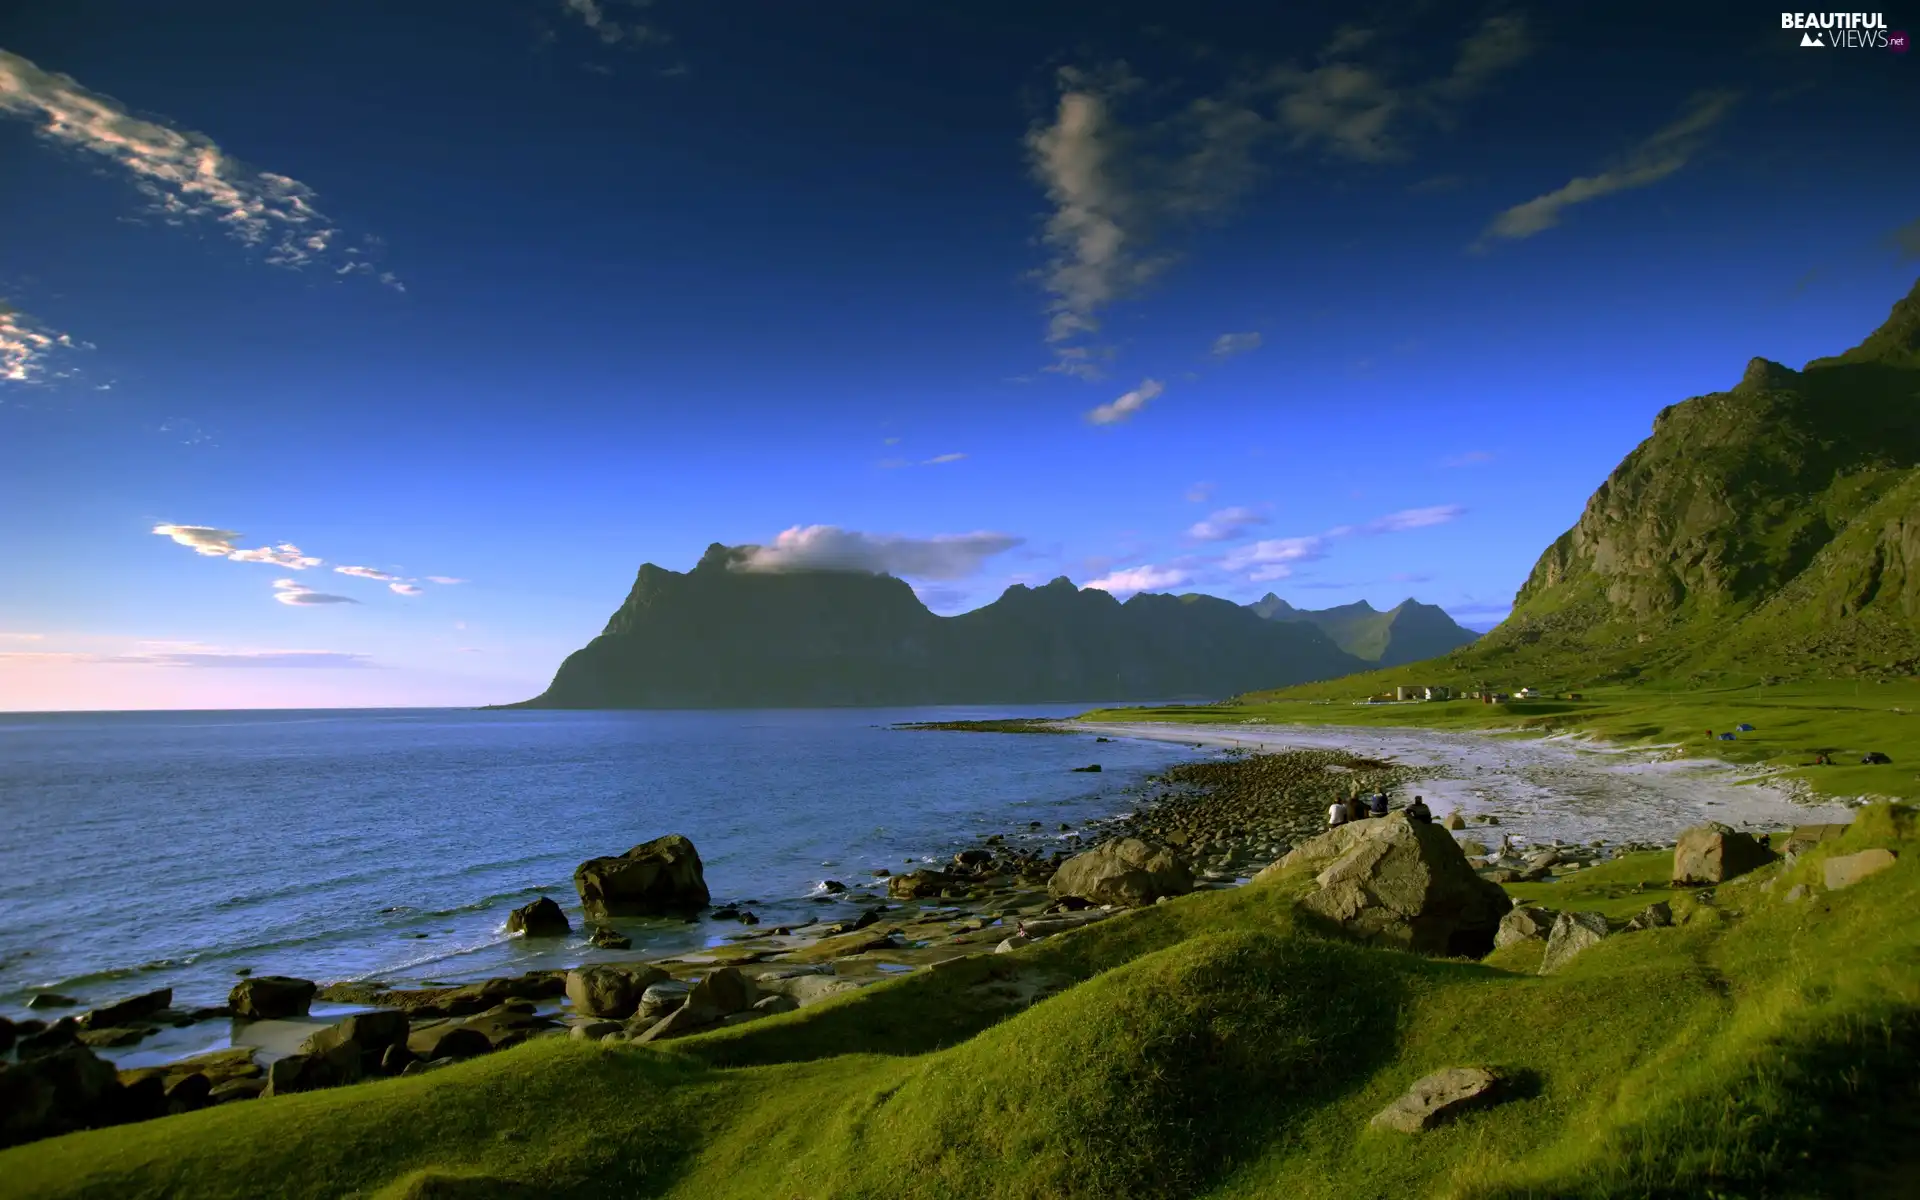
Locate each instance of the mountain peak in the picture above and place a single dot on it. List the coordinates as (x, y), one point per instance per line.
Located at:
(1763, 374)
(1895, 343)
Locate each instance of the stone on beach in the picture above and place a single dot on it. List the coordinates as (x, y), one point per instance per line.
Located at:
(372, 1032)
(1525, 923)
(132, 1009)
(448, 1041)
(610, 990)
(1850, 869)
(659, 999)
(726, 990)
(1714, 853)
(270, 997)
(1572, 933)
(1126, 871)
(916, 885)
(608, 938)
(56, 1093)
(1440, 1097)
(660, 877)
(1654, 916)
(542, 918)
(1400, 883)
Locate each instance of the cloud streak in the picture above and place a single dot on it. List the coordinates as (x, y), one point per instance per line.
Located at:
(1229, 344)
(299, 595)
(1276, 558)
(1664, 153)
(1125, 406)
(25, 346)
(610, 30)
(1226, 524)
(830, 548)
(185, 176)
(1141, 579)
(213, 542)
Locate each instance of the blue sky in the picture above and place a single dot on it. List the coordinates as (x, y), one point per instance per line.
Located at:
(1342, 304)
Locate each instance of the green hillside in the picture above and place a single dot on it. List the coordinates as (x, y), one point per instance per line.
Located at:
(1408, 632)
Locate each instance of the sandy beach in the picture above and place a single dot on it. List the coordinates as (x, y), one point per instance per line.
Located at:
(1541, 788)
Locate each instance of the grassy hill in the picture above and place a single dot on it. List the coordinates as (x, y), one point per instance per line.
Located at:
(1206, 1047)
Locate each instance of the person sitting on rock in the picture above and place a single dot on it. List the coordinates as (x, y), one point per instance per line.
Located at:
(1379, 804)
(1336, 814)
(1418, 811)
(1356, 807)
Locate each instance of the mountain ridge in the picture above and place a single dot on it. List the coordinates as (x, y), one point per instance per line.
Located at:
(1408, 632)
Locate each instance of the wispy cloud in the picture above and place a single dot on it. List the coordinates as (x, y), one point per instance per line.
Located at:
(1472, 458)
(611, 29)
(830, 548)
(444, 580)
(26, 345)
(1666, 152)
(291, 591)
(1414, 518)
(942, 458)
(221, 543)
(403, 588)
(1227, 524)
(1229, 344)
(365, 573)
(1276, 558)
(185, 175)
(1126, 405)
(196, 655)
(1141, 579)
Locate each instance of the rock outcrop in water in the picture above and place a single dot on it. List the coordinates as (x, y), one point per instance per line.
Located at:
(724, 636)
(660, 877)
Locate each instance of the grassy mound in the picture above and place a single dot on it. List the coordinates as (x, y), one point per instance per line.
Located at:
(1204, 1047)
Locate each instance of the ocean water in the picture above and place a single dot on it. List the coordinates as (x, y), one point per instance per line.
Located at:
(144, 850)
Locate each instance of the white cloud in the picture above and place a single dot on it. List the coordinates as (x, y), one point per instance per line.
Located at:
(1414, 518)
(1141, 579)
(365, 573)
(1229, 344)
(1226, 524)
(444, 580)
(1471, 458)
(403, 588)
(288, 591)
(1277, 551)
(611, 30)
(1125, 406)
(25, 345)
(943, 458)
(184, 174)
(830, 548)
(286, 554)
(1659, 156)
(201, 539)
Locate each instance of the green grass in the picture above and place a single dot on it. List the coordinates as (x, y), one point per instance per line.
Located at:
(1204, 1047)
(1792, 722)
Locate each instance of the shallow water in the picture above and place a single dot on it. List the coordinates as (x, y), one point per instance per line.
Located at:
(174, 849)
(1542, 789)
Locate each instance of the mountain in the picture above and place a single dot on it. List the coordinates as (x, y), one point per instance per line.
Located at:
(1769, 530)
(1408, 632)
(722, 636)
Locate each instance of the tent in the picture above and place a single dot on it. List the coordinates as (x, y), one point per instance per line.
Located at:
(1743, 727)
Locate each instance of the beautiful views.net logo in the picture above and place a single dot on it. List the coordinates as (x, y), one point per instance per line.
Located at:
(1854, 31)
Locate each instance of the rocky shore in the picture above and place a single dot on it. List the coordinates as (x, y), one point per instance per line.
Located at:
(1203, 825)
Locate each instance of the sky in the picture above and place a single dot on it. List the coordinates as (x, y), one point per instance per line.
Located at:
(359, 354)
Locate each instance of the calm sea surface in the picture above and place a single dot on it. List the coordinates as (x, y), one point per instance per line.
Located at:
(143, 850)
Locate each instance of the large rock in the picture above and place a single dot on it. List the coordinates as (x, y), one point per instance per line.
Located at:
(661, 998)
(726, 990)
(610, 991)
(373, 1032)
(663, 876)
(1440, 1097)
(1126, 872)
(1850, 869)
(1525, 924)
(1715, 853)
(1572, 933)
(448, 1041)
(917, 885)
(1806, 837)
(1399, 883)
(56, 1093)
(542, 918)
(134, 1009)
(270, 997)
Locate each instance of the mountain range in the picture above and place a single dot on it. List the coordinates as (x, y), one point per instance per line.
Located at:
(724, 635)
(1408, 632)
(1768, 531)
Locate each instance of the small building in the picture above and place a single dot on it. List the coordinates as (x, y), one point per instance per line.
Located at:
(1412, 691)
(1526, 694)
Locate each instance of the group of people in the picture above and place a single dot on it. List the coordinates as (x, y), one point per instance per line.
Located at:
(1355, 808)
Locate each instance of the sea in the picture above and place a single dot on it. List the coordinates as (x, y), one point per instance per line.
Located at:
(148, 850)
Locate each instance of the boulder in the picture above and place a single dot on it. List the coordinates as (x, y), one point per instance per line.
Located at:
(685, 1019)
(593, 1031)
(396, 1059)
(1126, 872)
(1572, 933)
(63, 1034)
(775, 1003)
(917, 885)
(608, 938)
(270, 997)
(610, 991)
(373, 1032)
(542, 918)
(1454, 821)
(1714, 853)
(56, 1093)
(127, 1011)
(808, 990)
(342, 1063)
(6, 1035)
(1806, 837)
(1440, 1097)
(448, 1041)
(1399, 882)
(1849, 869)
(188, 1092)
(1524, 924)
(236, 1089)
(1654, 916)
(663, 876)
(51, 1000)
(725, 990)
(115, 1035)
(659, 999)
